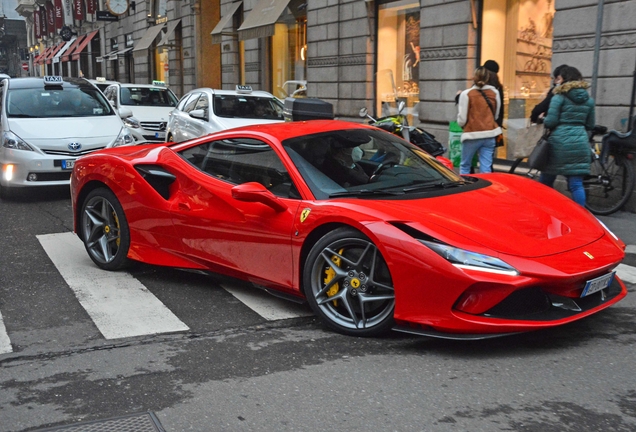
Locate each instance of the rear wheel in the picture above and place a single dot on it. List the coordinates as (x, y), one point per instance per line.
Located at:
(609, 185)
(348, 285)
(105, 230)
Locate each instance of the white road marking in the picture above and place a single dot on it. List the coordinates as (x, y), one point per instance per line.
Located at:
(266, 305)
(119, 304)
(631, 249)
(626, 273)
(5, 342)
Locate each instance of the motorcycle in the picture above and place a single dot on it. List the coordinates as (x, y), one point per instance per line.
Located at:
(398, 125)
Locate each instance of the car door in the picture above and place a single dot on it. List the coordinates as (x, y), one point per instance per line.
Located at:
(199, 116)
(186, 130)
(175, 119)
(247, 239)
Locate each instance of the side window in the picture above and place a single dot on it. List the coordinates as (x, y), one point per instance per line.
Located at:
(192, 102)
(239, 161)
(183, 101)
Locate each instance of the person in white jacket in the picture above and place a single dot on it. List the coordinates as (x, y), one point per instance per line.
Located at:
(478, 107)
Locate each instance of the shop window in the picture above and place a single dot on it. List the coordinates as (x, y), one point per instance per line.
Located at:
(518, 35)
(289, 51)
(398, 66)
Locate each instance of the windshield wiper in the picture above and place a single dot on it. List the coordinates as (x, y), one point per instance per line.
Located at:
(435, 185)
(365, 192)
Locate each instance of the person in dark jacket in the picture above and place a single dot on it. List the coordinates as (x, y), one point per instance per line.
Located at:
(541, 109)
(570, 116)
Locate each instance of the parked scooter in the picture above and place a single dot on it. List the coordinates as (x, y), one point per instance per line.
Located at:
(398, 125)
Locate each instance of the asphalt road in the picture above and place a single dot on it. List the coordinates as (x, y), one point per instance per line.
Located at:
(236, 370)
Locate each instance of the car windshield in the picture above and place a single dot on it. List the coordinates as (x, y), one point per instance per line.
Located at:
(58, 102)
(248, 107)
(366, 162)
(148, 96)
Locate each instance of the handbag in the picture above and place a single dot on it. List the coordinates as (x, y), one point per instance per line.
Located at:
(499, 139)
(538, 159)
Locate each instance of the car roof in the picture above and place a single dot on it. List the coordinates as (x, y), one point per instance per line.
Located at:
(38, 82)
(143, 86)
(260, 93)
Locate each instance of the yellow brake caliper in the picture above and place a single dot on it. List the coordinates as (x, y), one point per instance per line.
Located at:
(330, 273)
(117, 225)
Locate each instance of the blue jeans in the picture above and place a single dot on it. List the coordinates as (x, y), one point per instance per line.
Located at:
(486, 149)
(575, 186)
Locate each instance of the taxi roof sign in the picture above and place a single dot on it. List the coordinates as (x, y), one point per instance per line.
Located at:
(159, 83)
(53, 79)
(243, 89)
(100, 79)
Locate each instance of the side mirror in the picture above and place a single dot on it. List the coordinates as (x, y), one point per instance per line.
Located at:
(198, 114)
(256, 192)
(124, 112)
(363, 112)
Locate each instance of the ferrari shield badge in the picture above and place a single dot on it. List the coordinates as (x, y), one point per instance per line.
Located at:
(304, 214)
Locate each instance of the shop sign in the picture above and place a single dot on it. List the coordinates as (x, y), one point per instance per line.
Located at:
(59, 14)
(78, 9)
(106, 16)
(37, 25)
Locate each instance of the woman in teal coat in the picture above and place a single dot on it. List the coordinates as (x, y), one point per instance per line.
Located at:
(570, 117)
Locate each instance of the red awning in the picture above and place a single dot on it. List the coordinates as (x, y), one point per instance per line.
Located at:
(67, 55)
(82, 45)
(54, 51)
(40, 59)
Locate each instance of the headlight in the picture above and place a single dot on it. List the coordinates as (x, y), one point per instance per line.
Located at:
(12, 141)
(124, 138)
(132, 122)
(464, 259)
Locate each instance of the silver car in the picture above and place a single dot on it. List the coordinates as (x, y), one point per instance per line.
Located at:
(46, 123)
(205, 110)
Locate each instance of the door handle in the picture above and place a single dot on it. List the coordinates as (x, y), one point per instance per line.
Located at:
(184, 206)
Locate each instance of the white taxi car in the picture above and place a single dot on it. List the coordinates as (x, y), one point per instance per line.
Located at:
(46, 123)
(150, 105)
(205, 110)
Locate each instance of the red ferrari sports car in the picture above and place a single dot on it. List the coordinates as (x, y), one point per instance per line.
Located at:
(370, 230)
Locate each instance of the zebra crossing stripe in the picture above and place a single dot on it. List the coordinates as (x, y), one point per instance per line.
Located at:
(626, 273)
(266, 305)
(5, 343)
(119, 305)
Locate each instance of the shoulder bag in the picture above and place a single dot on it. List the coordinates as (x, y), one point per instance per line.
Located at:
(499, 141)
(538, 159)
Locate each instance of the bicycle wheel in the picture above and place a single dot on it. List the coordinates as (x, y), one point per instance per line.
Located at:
(609, 185)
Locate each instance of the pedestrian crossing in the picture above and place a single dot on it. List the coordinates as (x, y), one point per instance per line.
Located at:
(121, 306)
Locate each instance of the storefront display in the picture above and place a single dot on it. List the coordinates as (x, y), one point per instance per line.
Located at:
(398, 66)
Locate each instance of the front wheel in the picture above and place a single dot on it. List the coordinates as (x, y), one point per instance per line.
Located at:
(609, 185)
(348, 285)
(104, 230)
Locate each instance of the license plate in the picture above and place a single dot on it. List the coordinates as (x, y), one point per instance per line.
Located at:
(161, 135)
(595, 285)
(68, 164)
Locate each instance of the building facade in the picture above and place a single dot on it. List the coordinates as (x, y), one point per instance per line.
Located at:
(144, 41)
(375, 53)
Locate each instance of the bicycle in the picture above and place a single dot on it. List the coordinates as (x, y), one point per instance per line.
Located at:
(611, 181)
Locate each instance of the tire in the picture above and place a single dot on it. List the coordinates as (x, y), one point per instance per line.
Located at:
(104, 230)
(609, 186)
(348, 285)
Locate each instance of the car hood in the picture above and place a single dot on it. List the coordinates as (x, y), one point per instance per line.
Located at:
(149, 113)
(38, 130)
(506, 220)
